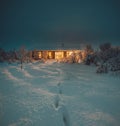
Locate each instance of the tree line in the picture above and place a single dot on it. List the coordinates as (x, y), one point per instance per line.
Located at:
(21, 55)
(106, 58)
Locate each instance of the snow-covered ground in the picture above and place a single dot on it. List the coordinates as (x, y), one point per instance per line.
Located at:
(56, 94)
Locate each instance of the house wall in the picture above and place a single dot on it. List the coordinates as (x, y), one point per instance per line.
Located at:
(55, 54)
(51, 54)
(35, 55)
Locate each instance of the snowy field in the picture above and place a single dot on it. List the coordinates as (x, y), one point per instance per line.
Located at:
(55, 94)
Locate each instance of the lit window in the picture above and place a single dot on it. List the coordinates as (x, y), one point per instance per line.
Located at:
(59, 55)
(50, 55)
(40, 55)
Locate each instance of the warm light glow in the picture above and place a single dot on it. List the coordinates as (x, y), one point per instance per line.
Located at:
(69, 53)
(40, 55)
(50, 55)
(59, 55)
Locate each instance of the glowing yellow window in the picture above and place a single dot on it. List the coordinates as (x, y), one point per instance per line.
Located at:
(50, 55)
(59, 55)
(40, 55)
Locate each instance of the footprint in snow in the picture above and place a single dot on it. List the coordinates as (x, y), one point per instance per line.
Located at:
(65, 116)
(56, 102)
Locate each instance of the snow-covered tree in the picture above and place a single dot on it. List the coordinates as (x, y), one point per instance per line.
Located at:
(88, 49)
(105, 46)
(29, 56)
(88, 54)
(109, 57)
(22, 55)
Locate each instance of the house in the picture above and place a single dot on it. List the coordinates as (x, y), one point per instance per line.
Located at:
(55, 54)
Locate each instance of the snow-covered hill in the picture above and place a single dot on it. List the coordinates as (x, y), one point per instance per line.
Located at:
(55, 94)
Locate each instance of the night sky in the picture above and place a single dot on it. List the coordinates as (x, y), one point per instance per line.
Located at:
(44, 23)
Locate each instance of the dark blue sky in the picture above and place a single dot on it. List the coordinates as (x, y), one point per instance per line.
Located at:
(51, 22)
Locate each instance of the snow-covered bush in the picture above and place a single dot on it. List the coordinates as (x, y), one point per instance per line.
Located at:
(75, 57)
(106, 59)
(107, 54)
(89, 59)
(71, 59)
(109, 57)
(102, 69)
(78, 57)
(113, 64)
